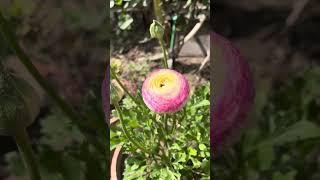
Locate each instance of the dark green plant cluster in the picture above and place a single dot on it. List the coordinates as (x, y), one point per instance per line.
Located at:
(284, 143)
(186, 143)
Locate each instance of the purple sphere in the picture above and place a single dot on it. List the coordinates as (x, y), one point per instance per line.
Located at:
(233, 93)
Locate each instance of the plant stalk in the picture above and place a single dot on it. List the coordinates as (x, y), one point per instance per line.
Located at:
(157, 7)
(174, 122)
(165, 120)
(23, 142)
(162, 133)
(165, 56)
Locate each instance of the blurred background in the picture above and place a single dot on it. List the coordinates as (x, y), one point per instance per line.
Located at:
(67, 42)
(280, 41)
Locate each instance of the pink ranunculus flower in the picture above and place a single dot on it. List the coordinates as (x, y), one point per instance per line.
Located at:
(233, 93)
(165, 91)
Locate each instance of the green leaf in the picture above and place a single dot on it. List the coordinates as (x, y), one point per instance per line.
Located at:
(201, 104)
(188, 3)
(134, 167)
(124, 25)
(266, 156)
(182, 157)
(300, 131)
(133, 172)
(192, 151)
(288, 176)
(196, 163)
(202, 147)
(15, 164)
(173, 175)
(73, 169)
(58, 132)
(175, 146)
(118, 2)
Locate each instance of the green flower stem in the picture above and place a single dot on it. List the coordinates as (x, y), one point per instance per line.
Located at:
(157, 5)
(161, 129)
(174, 123)
(164, 156)
(165, 120)
(24, 59)
(158, 10)
(162, 133)
(25, 149)
(165, 56)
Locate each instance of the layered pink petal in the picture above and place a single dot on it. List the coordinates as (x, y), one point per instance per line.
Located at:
(168, 101)
(235, 93)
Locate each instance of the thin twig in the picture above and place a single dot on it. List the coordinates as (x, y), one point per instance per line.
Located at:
(205, 61)
(195, 29)
(298, 7)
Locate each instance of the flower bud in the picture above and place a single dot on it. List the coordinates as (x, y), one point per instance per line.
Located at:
(116, 65)
(116, 92)
(19, 104)
(156, 30)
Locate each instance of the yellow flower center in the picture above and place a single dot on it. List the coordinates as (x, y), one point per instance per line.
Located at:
(165, 82)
